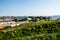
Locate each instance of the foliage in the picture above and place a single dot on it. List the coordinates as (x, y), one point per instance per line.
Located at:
(33, 31)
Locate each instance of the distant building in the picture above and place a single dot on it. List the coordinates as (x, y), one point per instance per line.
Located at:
(8, 19)
(1, 26)
(12, 25)
(9, 22)
(38, 19)
(29, 19)
(1, 20)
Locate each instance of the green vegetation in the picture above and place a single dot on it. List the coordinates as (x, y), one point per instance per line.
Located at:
(49, 30)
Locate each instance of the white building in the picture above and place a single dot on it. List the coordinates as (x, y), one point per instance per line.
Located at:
(28, 18)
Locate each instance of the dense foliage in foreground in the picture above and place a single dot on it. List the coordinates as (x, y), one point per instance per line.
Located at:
(33, 31)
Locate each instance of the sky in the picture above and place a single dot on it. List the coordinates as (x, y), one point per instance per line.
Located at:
(29, 7)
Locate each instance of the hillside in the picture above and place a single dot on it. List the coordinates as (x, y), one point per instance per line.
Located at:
(33, 31)
(55, 17)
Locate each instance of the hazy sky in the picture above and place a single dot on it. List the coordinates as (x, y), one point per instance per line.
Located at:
(29, 7)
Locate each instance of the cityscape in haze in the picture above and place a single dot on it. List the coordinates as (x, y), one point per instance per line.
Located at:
(29, 19)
